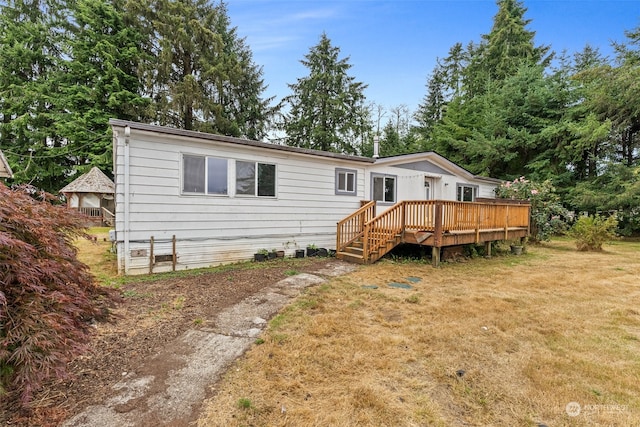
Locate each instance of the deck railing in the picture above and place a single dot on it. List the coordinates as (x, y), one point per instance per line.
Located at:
(351, 228)
(381, 233)
(92, 212)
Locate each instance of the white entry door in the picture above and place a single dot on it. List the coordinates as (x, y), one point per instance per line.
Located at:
(429, 188)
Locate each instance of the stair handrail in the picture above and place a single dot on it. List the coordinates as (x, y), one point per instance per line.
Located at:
(382, 229)
(351, 228)
(108, 216)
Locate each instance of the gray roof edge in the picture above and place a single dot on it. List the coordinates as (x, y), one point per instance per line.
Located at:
(427, 154)
(488, 179)
(234, 140)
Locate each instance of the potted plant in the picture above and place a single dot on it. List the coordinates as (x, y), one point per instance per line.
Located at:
(312, 250)
(261, 255)
(517, 247)
(273, 254)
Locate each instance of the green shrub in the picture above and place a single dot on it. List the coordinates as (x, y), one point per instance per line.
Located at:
(548, 216)
(591, 232)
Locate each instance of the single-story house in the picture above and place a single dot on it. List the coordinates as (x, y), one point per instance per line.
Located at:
(5, 169)
(187, 199)
(92, 194)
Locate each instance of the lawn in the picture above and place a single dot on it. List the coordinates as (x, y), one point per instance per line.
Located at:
(551, 337)
(96, 253)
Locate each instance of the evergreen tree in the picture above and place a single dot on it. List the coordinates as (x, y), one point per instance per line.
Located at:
(31, 40)
(507, 47)
(325, 106)
(204, 78)
(494, 122)
(587, 140)
(101, 79)
(431, 110)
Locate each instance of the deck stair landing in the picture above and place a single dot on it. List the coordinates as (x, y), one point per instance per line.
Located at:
(364, 238)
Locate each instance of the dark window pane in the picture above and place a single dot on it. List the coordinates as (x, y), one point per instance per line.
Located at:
(216, 176)
(192, 174)
(341, 181)
(389, 190)
(468, 194)
(351, 182)
(266, 180)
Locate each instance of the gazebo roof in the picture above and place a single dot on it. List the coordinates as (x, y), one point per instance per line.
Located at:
(94, 181)
(5, 169)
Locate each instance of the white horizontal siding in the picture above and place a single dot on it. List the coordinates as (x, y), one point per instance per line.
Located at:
(211, 230)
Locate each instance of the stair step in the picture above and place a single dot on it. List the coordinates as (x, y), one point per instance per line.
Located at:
(346, 256)
(354, 250)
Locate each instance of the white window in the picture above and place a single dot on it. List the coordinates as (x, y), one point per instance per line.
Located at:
(204, 175)
(346, 182)
(466, 192)
(255, 179)
(384, 188)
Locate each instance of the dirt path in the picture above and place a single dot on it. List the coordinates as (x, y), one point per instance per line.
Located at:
(155, 336)
(168, 387)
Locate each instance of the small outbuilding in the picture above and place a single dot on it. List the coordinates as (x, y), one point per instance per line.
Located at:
(92, 194)
(5, 169)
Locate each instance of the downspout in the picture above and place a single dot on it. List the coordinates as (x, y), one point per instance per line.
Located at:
(127, 260)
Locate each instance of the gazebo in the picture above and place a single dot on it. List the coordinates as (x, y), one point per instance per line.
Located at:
(92, 194)
(5, 169)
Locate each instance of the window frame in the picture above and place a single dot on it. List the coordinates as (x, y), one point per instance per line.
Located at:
(460, 186)
(346, 191)
(384, 177)
(204, 181)
(256, 179)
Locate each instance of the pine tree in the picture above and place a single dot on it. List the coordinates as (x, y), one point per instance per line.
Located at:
(325, 106)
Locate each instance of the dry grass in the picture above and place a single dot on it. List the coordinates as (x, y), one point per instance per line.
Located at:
(531, 333)
(97, 254)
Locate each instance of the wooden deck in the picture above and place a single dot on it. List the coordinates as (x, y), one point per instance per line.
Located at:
(364, 238)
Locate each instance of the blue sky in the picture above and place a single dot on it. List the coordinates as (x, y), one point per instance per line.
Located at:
(393, 45)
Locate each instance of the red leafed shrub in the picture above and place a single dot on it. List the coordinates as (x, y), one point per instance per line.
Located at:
(47, 296)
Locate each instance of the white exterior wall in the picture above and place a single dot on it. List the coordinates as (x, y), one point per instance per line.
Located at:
(410, 185)
(217, 229)
(210, 229)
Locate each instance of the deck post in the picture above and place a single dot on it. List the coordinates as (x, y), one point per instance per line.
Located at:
(365, 244)
(437, 234)
(487, 249)
(435, 256)
(506, 224)
(477, 223)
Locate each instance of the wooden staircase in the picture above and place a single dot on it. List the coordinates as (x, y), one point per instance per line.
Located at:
(364, 238)
(354, 252)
